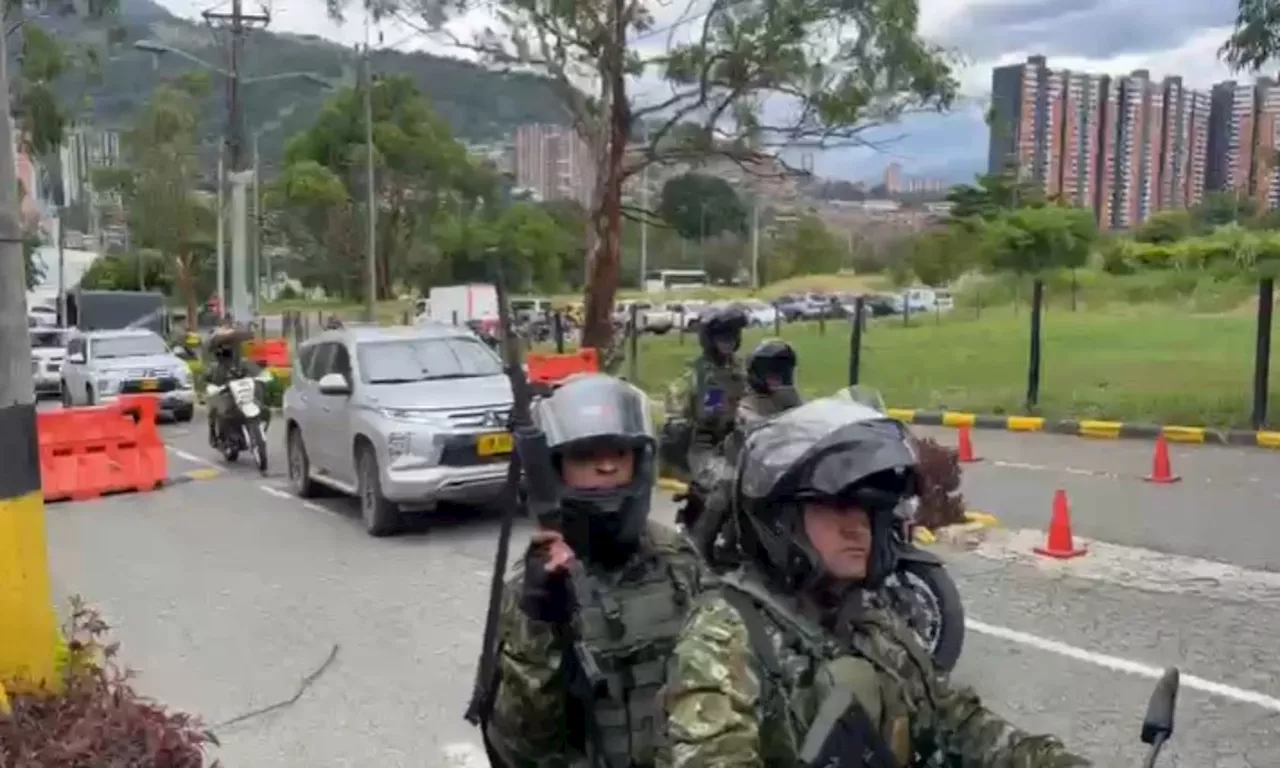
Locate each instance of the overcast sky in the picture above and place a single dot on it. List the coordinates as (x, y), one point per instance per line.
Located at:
(1167, 37)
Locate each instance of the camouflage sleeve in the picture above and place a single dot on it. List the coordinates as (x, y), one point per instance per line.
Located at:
(712, 693)
(529, 710)
(679, 398)
(953, 721)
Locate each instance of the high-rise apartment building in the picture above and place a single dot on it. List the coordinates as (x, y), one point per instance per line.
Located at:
(554, 162)
(1125, 146)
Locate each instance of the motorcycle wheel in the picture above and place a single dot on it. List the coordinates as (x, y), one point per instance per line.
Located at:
(935, 613)
(257, 443)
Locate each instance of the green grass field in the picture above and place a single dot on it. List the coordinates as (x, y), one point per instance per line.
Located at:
(1149, 364)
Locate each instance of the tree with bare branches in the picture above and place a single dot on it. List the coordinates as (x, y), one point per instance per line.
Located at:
(745, 80)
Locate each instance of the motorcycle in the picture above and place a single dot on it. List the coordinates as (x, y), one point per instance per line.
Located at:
(244, 426)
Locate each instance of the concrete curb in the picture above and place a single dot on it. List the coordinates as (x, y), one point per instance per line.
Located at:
(1107, 430)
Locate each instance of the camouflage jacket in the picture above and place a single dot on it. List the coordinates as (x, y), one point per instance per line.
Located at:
(706, 396)
(723, 708)
(630, 623)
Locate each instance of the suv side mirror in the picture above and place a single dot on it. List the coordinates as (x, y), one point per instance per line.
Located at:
(334, 384)
(76, 358)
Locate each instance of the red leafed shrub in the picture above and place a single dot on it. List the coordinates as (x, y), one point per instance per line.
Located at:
(939, 471)
(97, 719)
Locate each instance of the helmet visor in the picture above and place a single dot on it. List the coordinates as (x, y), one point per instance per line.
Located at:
(594, 408)
(823, 447)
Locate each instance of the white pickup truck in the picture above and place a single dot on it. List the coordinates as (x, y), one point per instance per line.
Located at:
(649, 319)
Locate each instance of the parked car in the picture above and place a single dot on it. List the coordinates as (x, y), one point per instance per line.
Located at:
(48, 350)
(759, 312)
(792, 307)
(400, 418)
(101, 365)
(649, 319)
(686, 313)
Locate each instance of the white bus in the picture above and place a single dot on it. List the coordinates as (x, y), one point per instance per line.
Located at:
(663, 280)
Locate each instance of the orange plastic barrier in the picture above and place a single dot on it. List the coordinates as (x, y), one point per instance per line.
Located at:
(88, 452)
(553, 369)
(270, 353)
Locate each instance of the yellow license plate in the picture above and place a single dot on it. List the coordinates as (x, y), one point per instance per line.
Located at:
(149, 384)
(494, 445)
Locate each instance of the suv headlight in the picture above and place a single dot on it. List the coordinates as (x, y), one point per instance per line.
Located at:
(108, 385)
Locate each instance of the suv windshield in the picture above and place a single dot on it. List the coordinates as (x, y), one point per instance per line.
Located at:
(127, 346)
(402, 362)
(48, 339)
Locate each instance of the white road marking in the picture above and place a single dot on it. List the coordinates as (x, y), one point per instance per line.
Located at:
(279, 494)
(1126, 666)
(465, 755)
(191, 457)
(314, 507)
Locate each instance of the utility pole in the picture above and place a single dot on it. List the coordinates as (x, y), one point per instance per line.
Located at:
(26, 602)
(257, 227)
(644, 222)
(755, 241)
(221, 246)
(238, 23)
(371, 299)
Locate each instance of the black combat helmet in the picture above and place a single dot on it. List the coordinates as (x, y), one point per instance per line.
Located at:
(832, 449)
(772, 359)
(721, 323)
(587, 412)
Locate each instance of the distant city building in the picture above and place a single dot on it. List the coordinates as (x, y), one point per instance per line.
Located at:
(893, 178)
(555, 162)
(84, 150)
(1129, 146)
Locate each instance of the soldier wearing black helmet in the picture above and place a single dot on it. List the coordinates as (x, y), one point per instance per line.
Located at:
(702, 405)
(771, 383)
(787, 662)
(643, 577)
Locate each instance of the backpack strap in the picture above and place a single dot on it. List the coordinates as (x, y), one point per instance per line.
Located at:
(850, 727)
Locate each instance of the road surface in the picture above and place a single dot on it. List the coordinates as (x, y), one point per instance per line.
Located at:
(228, 592)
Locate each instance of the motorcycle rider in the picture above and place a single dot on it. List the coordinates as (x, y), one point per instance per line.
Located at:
(225, 344)
(702, 404)
(787, 661)
(643, 578)
(771, 382)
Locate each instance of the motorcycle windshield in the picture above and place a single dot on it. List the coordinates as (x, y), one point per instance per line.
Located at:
(864, 395)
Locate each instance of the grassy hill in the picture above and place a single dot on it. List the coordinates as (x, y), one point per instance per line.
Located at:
(480, 105)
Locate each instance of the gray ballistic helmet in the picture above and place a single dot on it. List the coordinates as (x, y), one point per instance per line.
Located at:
(586, 413)
(828, 449)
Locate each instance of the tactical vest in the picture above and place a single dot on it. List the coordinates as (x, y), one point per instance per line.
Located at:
(631, 624)
(717, 391)
(791, 651)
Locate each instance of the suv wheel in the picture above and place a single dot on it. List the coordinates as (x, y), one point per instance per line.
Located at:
(299, 466)
(381, 516)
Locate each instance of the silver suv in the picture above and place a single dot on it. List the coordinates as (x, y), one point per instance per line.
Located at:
(101, 365)
(401, 418)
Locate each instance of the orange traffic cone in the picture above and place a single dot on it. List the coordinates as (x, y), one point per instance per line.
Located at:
(965, 449)
(1061, 544)
(1161, 469)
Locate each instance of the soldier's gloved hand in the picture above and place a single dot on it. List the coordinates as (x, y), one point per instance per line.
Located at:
(546, 579)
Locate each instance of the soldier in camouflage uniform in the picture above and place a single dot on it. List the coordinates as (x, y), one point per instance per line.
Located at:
(643, 578)
(702, 405)
(790, 661)
(771, 382)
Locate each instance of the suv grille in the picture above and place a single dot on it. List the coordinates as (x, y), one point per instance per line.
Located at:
(492, 418)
